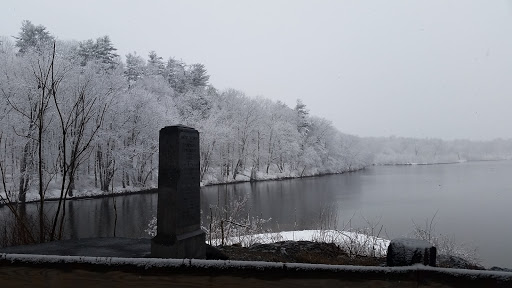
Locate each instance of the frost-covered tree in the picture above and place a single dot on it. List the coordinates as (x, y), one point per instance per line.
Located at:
(5, 46)
(135, 66)
(86, 51)
(197, 75)
(32, 37)
(176, 75)
(101, 50)
(140, 116)
(105, 51)
(22, 115)
(155, 65)
(194, 105)
(303, 123)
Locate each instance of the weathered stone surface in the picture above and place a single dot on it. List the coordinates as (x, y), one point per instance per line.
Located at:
(406, 252)
(179, 233)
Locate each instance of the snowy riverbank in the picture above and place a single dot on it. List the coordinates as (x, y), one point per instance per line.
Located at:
(93, 192)
(209, 180)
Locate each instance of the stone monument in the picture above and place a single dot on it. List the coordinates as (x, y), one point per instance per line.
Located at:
(179, 233)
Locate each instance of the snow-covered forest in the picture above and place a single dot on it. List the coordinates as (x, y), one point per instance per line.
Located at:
(76, 117)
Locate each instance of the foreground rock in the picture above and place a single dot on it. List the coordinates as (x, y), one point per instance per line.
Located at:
(407, 252)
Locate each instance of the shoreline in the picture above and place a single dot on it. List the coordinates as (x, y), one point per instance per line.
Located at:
(248, 180)
(155, 190)
(442, 163)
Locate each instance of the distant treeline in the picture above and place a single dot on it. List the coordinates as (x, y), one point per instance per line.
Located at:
(399, 150)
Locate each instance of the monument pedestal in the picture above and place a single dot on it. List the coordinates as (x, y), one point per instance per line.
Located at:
(190, 245)
(179, 233)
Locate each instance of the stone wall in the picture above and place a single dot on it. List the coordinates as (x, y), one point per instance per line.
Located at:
(66, 271)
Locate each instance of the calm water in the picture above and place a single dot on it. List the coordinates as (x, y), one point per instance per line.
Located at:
(473, 203)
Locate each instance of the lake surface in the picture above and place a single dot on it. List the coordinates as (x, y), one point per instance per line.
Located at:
(472, 201)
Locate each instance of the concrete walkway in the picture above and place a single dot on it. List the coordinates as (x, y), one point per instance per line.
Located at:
(93, 247)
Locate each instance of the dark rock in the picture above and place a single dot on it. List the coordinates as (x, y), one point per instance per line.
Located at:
(501, 269)
(295, 247)
(213, 253)
(407, 252)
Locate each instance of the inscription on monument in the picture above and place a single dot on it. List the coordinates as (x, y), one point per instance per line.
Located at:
(189, 180)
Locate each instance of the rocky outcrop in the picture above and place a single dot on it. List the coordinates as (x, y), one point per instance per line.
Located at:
(407, 252)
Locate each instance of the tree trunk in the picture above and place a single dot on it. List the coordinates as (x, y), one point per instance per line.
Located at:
(24, 173)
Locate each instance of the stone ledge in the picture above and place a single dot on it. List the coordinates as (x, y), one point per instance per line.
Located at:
(246, 273)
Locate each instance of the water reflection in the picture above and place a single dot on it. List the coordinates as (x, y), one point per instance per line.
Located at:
(126, 216)
(472, 200)
(292, 204)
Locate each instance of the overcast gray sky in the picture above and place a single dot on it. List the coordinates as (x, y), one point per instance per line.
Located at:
(375, 68)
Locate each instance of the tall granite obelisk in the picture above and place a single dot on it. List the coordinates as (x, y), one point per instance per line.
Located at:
(179, 233)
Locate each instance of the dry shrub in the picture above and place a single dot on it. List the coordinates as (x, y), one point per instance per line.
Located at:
(445, 244)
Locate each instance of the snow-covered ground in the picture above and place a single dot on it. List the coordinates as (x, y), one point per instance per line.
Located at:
(54, 194)
(425, 163)
(244, 176)
(88, 190)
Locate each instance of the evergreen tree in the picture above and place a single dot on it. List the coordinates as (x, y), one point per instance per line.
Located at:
(86, 51)
(134, 67)
(303, 122)
(155, 65)
(33, 37)
(102, 51)
(176, 75)
(197, 75)
(105, 51)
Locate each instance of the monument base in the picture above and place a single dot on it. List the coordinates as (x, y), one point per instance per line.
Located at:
(191, 245)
